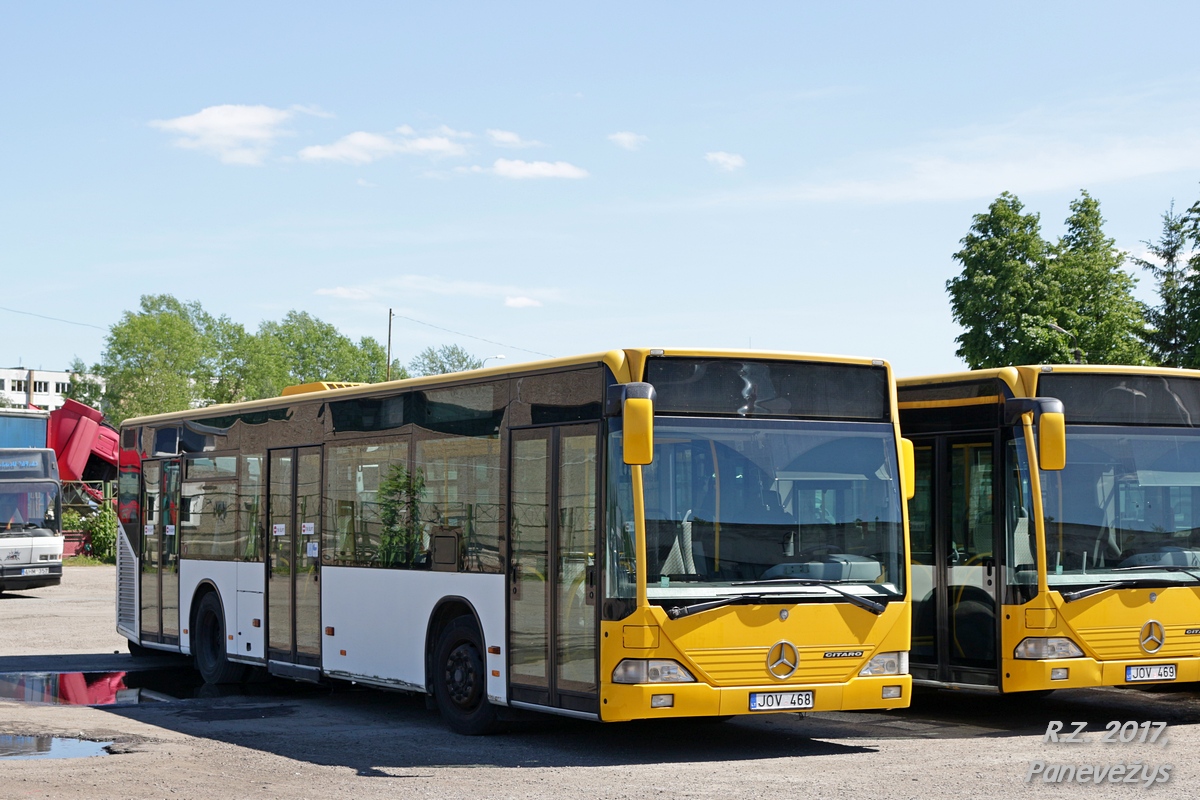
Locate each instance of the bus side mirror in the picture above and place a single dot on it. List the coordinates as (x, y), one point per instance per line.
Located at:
(1051, 424)
(637, 424)
(908, 469)
(1052, 441)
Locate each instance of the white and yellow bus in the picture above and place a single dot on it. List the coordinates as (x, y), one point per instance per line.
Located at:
(1055, 527)
(627, 535)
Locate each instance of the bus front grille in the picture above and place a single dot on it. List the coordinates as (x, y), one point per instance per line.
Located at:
(747, 666)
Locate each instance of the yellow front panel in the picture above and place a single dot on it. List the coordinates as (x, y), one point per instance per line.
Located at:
(1108, 628)
(726, 650)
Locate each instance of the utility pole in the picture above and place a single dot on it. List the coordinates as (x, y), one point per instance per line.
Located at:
(389, 355)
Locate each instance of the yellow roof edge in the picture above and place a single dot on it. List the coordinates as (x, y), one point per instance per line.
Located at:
(1011, 376)
(639, 355)
(1022, 379)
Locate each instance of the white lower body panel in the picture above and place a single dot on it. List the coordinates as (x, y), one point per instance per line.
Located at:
(380, 619)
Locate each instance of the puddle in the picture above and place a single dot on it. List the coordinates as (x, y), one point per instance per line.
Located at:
(99, 688)
(26, 747)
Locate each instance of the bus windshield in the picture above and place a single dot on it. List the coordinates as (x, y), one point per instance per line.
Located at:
(1127, 506)
(775, 503)
(28, 509)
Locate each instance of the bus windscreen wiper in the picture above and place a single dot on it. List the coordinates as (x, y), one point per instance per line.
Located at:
(861, 602)
(679, 612)
(1079, 594)
(1163, 567)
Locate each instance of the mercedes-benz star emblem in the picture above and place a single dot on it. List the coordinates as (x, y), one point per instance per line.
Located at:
(1151, 637)
(782, 660)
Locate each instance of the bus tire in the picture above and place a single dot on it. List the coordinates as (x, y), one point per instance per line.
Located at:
(460, 680)
(208, 644)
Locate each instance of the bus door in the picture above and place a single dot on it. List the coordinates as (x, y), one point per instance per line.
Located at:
(552, 612)
(293, 599)
(955, 570)
(159, 557)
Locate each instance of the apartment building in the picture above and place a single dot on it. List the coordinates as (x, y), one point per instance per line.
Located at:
(43, 388)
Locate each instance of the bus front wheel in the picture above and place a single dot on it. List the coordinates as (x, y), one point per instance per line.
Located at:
(208, 644)
(460, 680)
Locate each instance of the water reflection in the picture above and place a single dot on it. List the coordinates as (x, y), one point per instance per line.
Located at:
(98, 688)
(26, 747)
(66, 688)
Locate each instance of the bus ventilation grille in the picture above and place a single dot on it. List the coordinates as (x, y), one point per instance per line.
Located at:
(126, 585)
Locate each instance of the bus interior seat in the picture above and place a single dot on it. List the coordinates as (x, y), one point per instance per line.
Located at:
(1024, 543)
(680, 558)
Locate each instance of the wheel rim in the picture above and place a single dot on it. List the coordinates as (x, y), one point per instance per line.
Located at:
(463, 683)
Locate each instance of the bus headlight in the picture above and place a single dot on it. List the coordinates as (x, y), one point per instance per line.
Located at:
(891, 663)
(1042, 647)
(651, 670)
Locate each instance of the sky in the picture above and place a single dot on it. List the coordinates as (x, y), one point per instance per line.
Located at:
(551, 179)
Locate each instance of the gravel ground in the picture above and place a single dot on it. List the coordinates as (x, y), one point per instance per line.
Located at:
(274, 739)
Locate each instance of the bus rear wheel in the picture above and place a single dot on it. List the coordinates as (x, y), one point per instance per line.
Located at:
(460, 680)
(208, 644)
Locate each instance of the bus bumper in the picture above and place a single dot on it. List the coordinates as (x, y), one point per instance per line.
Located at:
(1082, 673)
(623, 702)
(15, 579)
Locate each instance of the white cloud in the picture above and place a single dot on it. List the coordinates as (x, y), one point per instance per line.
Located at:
(357, 148)
(366, 183)
(522, 302)
(627, 140)
(509, 139)
(446, 130)
(345, 293)
(363, 148)
(726, 162)
(235, 134)
(506, 168)
(313, 111)
(988, 165)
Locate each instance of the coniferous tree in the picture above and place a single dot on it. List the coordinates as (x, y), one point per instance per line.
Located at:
(1093, 292)
(1168, 322)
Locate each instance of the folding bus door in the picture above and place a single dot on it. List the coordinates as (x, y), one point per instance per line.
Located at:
(293, 560)
(953, 524)
(159, 556)
(552, 611)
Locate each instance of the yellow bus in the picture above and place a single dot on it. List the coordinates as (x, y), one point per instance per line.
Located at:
(1036, 569)
(633, 534)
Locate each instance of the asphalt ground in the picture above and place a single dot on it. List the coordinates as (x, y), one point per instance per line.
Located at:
(172, 738)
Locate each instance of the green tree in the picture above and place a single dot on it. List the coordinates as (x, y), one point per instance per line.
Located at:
(1093, 292)
(442, 360)
(155, 359)
(1001, 298)
(1168, 322)
(303, 349)
(83, 388)
(171, 355)
(233, 369)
